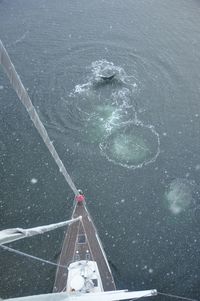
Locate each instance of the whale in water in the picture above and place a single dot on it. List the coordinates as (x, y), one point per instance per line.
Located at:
(107, 77)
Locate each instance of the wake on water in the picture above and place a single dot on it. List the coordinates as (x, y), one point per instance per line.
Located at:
(112, 119)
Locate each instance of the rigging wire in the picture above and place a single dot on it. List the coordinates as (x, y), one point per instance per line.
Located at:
(64, 266)
(18, 86)
(177, 297)
(167, 295)
(31, 256)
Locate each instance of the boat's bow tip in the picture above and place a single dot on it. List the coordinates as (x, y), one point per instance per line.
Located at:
(154, 292)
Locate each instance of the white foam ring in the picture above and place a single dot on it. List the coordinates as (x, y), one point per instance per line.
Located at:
(115, 109)
(103, 148)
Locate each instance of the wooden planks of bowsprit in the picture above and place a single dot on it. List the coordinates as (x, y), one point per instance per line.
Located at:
(87, 269)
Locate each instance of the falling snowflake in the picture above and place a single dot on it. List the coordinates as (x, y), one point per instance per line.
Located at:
(34, 181)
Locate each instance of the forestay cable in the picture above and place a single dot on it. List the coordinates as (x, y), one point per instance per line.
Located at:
(17, 85)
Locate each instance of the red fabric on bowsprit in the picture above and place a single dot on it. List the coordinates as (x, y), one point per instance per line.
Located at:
(80, 198)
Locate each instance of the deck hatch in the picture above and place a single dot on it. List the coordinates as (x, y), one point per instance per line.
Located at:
(81, 239)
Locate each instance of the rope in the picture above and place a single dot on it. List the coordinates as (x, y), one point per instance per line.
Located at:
(31, 256)
(17, 85)
(177, 297)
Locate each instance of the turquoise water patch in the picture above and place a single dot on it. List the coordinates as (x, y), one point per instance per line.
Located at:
(132, 146)
(129, 148)
(179, 195)
(100, 122)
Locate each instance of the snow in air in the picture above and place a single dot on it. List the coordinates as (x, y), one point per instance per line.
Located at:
(34, 181)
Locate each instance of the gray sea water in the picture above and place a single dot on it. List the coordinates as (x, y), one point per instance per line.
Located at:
(131, 144)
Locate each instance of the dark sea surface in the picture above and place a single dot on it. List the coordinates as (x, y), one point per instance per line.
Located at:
(131, 144)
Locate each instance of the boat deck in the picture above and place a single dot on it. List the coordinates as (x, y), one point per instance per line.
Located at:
(82, 242)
